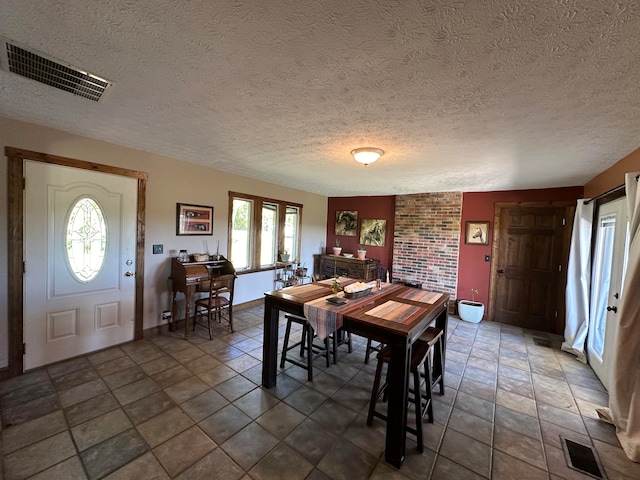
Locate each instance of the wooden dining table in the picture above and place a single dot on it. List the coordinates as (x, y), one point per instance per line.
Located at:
(396, 318)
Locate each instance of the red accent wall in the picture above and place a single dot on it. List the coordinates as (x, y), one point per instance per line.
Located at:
(379, 207)
(473, 270)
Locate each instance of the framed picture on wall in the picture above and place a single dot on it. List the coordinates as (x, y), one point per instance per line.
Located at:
(476, 233)
(373, 232)
(346, 222)
(194, 219)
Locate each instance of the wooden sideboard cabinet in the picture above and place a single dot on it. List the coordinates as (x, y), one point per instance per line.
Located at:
(366, 269)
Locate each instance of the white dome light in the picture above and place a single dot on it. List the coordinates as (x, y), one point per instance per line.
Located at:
(366, 155)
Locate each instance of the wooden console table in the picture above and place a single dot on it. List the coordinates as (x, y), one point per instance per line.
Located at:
(366, 270)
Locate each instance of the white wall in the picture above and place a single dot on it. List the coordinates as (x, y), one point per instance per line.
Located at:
(170, 181)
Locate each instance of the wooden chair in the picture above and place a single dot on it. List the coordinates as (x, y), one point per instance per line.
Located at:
(220, 300)
(420, 362)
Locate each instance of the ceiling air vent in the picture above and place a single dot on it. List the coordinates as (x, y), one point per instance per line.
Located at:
(50, 72)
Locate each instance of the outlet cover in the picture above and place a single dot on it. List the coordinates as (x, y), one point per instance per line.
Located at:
(157, 248)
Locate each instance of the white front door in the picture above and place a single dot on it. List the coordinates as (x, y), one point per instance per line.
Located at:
(609, 265)
(80, 247)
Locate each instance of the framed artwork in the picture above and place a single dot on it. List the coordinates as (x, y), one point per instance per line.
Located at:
(346, 222)
(373, 232)
(194, 219)
(476, 233)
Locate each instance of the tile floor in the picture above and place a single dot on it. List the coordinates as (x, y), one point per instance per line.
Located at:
(169, 408)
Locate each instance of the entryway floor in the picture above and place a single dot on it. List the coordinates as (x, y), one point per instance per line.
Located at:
(170, 408)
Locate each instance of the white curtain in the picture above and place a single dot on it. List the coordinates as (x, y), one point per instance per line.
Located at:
(624, 394)
(579, 282)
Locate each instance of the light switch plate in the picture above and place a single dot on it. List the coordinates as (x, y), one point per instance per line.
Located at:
(157, 249)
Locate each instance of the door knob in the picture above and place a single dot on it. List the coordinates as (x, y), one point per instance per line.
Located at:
(129, 274)
(613, 309)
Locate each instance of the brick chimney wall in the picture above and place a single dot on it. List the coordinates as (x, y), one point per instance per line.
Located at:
(427, 240)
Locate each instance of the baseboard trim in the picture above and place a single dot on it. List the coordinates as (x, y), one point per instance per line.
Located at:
(159, 329)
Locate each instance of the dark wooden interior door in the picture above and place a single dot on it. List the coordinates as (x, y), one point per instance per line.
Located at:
(530, 274)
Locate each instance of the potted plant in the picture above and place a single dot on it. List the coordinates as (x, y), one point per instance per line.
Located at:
(337, 249)
(284, 256)
(335, 286)
(362, 252)
(470, 310)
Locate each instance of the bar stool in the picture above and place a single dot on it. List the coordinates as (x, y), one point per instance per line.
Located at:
(306, 343)
(420, 361)
(435, 337)
(341, 337)
(371, 348)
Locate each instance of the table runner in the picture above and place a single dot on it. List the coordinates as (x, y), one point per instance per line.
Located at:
(422, 296)
(326, 317)
(398, 312)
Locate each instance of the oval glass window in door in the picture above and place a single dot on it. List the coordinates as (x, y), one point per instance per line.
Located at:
(86, 239)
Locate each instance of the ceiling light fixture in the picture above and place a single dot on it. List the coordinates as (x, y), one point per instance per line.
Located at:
(366, 155)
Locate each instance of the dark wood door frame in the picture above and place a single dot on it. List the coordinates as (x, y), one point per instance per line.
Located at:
(495, 248)
(15, 253)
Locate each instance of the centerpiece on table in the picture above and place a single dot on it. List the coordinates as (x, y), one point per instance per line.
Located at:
(357, 290)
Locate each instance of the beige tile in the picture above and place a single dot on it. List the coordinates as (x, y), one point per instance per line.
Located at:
(202, 364)
(183, 450)
(38, 457)
(135, 391)
(249, 445)
(188, 354)
(25, 434)
(186, 389)
(205, 404)
(469, 453)
(519, 446)
(164, 426)
(171, 376)
(145, 467)
(445, 469)
(588, 409)
(281, 420)
(562, 418)
(113, 366)
(282, 463)
(470, 425)
(217, 375)
(98, 429)
(105, 355)
(70, 469)
(159, 364)
(516, 402)
(506, 467)
(614, 458)
(216, 464)
(82, 392)
(551, 435)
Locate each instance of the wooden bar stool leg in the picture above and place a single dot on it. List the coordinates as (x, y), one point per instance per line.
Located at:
(285, 345)
(375, 392)
(417, 401)
(308, 332)
(368, 351)
(428, 386)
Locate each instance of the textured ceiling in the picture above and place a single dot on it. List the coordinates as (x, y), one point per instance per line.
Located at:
(470, 95)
